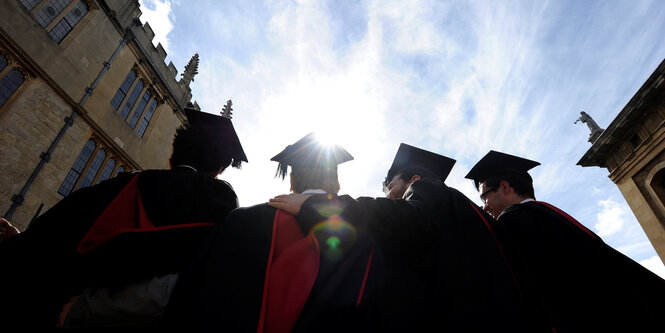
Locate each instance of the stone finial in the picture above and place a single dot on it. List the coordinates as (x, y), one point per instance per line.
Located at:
(190, 70)
(596, 131)
(227, 111)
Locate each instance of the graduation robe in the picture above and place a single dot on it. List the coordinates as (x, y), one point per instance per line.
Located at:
(438, 263)
(583, 284)
(44, 268)
(237, 285)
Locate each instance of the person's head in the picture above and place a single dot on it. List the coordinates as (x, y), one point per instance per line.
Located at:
(207, 143)
(395, 187)
(502, 180)
(313, 165)
(411, 164)
(500, 191)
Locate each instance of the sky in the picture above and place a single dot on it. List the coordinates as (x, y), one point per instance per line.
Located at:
(458, 78)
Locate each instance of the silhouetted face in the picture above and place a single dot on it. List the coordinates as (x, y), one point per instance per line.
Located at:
(495, 199)
(397, 187)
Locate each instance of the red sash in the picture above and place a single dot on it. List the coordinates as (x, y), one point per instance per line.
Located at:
(293, 265)
(124, 214)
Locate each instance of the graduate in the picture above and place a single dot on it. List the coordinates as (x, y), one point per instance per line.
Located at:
(268, 272)
(437, 260)
(583, 284)
(133, 227)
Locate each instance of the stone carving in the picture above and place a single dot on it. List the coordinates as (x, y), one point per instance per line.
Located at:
(190, 70)
(596, 131)
(227, 111)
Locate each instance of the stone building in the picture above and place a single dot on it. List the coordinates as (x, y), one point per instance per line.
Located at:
(632, 148)
(84, 94)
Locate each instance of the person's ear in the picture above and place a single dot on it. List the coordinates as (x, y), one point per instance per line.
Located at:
(504, 187)
(414, 178)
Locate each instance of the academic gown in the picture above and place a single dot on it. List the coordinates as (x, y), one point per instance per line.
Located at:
(43, 268)
(584, 285)
(438, 263)
(244, 285)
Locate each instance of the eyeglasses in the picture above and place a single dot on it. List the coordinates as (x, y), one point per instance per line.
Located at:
(483, 196)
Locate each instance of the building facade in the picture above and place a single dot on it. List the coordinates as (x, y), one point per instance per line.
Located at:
(632, 148)
(84, 95)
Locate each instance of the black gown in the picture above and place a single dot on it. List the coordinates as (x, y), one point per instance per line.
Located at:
(227, 289)
(584, 285)
(438, 262)
(441, 263)
(44, 269)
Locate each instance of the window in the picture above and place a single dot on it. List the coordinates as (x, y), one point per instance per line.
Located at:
(120, 169)
(68, 22)
(92, 166)
(143, 110)
(3, 62)
(146, 118)
(108, 169)
(139, 109)
(129, 104)
(10, 79)
(124, 88)
(76, 170)
(65, 12)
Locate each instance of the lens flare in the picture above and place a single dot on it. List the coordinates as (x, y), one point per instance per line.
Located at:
(337, 237)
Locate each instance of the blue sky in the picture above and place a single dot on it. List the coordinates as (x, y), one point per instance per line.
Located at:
(455, 77)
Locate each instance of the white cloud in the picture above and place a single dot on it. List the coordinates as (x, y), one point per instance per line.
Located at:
(610, 219)
(158, 14)
(655, 265)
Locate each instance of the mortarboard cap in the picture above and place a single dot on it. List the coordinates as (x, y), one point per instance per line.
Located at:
(308, 152)
(497, 163)
(411, 157)
(219, 130)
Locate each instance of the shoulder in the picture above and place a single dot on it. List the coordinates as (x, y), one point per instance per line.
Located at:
(260, 210)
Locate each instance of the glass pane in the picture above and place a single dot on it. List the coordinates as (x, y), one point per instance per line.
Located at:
(49, 12)
(90, 174)
(129, 104)
(3, 62)
(75, 171)
(106, 172)
(122, 92)
(139, 109)
(8, 85)
(146, 119)
(60, 31)
(68, 22)
(30, 4)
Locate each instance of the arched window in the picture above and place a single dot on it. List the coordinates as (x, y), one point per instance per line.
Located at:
(61, 11)
(3, 62)
(120, 170)
(107, 171)
(139, 109)
(129, 104)
(94, 167)
(9, 83)
(76, 170)
(124, 88)
(91, 167)
(146, 118)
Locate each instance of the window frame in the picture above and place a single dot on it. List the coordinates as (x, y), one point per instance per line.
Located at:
(110, 155)
(49, 27)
